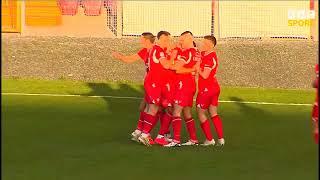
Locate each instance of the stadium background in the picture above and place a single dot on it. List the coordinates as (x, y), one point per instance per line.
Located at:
(76, 41)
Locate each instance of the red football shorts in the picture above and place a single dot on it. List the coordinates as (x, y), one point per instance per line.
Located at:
(167, 94)
(152, 88)
(208, 96)
(184, 92)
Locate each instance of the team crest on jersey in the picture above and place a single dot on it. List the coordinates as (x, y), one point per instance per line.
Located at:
(161, 54)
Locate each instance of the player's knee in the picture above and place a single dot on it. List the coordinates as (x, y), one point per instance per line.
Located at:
(187, 114)
(213, 111)
(176, 112)
(152, 110)
(169, 110)
(142, 108)
(201, 115)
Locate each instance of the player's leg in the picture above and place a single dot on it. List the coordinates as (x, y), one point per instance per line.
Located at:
(160, 114)
(316, 131)
(135, 134)
(215, 117)
(162, 137)
(191, 127)
(205, 126)
(176, 125)
(203, 102)
(169, 111)
(315, 121)
(166, 102)
(150, 119)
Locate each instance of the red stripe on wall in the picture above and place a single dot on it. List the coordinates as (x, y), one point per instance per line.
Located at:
(311, 4)
(213, 1)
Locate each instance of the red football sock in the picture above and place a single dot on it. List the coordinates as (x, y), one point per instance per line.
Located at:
(171, 117)
(176, 124)
(316, 138)
(140, 121)
(191, 127)
(205, 126)
(159, 115)
(149, 123)
(165, 123)
(218, 126)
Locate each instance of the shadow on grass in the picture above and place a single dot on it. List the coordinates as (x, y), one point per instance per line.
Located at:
(121, 113)
(247, 109)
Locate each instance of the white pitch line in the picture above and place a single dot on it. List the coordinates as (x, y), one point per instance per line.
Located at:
(131, 97)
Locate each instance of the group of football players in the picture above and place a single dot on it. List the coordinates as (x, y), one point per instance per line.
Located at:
(174, 72)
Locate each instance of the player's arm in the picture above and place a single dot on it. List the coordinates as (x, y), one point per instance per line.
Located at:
(183, 70)
(127, 59)
(165, 62)
(172, 56)
(168, 62)
(208, 67)
(205, 73)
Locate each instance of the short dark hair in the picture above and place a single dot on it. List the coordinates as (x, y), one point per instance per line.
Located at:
(211, 38)
(186, 32)
(194, 44)
(149, 36)
(160, 33)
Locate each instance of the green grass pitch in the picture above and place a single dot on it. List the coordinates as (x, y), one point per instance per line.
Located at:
(81, 138)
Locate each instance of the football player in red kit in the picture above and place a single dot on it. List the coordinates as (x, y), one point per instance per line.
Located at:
(209, 91)
(169, 76)
(154, 84)
(315, 111)
(146, 41)
(185, 88)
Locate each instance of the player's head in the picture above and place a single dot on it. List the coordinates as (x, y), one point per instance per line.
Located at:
(186, 39)
(208, 43)
(146, 39)
(163, 38)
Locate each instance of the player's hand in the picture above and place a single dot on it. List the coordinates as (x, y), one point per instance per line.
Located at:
(173, 67)
(174, 54)
(197, 67)
(116, 55)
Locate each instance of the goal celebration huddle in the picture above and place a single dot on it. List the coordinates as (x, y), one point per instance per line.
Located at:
(174, 73)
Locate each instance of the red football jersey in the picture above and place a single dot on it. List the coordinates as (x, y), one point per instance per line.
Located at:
(155, 67)
(144, 55)
(170, 74)
(190, 57)
(208, 60)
